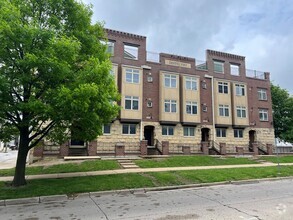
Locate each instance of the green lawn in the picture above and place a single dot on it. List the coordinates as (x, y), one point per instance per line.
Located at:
(45, 187)
(183, 161)
(280, 159)
(90, 165)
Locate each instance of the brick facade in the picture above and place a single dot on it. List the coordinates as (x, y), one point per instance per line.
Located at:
(184, 136)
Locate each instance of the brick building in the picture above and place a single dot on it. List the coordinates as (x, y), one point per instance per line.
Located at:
(179, 105)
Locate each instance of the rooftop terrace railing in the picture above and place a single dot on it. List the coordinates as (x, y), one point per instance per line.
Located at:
(153, 57)
(201, 65)
(255, 74)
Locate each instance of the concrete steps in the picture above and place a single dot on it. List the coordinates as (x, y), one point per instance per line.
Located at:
(127, 164)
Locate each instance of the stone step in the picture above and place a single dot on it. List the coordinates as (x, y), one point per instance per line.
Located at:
(124, 161)
(130, 166)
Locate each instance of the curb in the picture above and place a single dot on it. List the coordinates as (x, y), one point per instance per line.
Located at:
(56, 198)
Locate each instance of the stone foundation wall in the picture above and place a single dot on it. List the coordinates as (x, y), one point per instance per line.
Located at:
(106, 143)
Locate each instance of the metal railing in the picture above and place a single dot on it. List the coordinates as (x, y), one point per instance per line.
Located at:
(255, 74)
(215, 146)
(153, 57)
(159, 146)
(201, 65)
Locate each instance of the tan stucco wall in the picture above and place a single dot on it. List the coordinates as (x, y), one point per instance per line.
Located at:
(191, 96)
(169, 94)
(222, 99)
(240, 101)
(131, 89)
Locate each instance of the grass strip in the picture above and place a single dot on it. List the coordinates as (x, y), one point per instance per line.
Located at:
(280, 159)
(90, 165)
(183, 161)
(43, 187)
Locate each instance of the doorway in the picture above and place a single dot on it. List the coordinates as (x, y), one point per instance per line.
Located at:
(149, 134)
(251, 139)
(205, 134)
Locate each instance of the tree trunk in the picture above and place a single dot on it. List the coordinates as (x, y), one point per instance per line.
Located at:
(19, 175)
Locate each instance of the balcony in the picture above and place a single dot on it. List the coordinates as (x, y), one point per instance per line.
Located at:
(255, 74)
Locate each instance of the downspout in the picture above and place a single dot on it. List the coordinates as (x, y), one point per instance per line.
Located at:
(140, 124)
(213, 106)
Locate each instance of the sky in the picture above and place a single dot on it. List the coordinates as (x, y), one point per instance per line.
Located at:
(260, 30)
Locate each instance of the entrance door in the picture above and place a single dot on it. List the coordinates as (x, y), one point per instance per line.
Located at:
(149, 135)
(251, 139)
(205, 133)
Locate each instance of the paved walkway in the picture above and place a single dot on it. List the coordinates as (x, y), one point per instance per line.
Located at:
(141, 170)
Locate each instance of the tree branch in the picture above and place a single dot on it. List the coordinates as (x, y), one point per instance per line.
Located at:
(45, 132)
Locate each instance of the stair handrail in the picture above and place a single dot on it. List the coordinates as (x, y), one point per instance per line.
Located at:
(216, 146)
(261, 147)
(159, 146)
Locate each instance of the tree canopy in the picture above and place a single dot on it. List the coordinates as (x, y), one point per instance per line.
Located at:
(54, 74)
(282, 113)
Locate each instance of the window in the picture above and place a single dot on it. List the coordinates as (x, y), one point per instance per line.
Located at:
(170, 106)
(240, 90)
(190, 83)
(262, 94)
(238, 133)
(224, 110)
(130, 52)
(132, 75)
(188, 131)
(223, 87)
(110, 46)
(170, 81)
(263, 114)
(204, 108)
(131, 102)
(128, 129)
(168, 130)
(241, 111)
(219, 66)
(191, 108)
(234, 69)
(107, 129)
(221, 132)
(112, 73)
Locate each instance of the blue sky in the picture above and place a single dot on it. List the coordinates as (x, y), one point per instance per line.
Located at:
(260, 30)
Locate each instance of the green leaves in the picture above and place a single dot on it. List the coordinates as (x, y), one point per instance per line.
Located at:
(54, 71)
(282, 113)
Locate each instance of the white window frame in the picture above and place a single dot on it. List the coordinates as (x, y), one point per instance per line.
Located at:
(220, 65)
(169, 80)
(221, 132)
(240, 89)
(224, 110)
(109, 129)
(238, 133)
(169, 130)
(241, 111)
(234, 70)
(190, 83)
(190, 105)
(172, 104)
(263, 114)
(132, 75)
(188, 131)
(262, 94)
(223, 85)
(132, 99)
(129, 129)
(132, 50)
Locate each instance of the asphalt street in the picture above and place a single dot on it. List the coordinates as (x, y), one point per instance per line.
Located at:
(252, 200)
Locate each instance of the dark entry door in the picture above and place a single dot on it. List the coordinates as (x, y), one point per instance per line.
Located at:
(149, 135)
(251, 139)
(205, 133)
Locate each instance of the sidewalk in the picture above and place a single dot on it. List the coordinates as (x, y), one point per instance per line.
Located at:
(141, 170)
